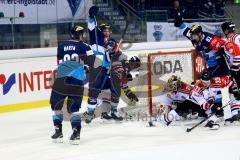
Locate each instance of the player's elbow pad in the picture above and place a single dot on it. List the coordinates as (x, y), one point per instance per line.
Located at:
(97, 62)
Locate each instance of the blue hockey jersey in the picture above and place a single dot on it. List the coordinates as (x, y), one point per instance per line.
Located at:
(69, 53)
(209, 48)
(97, 43)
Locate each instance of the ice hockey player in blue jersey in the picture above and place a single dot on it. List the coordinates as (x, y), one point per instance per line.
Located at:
(72, 56)
(211, 48)
(98, 37)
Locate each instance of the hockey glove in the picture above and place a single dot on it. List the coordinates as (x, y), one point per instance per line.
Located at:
(217, 109)
(236, 95)
(131, 95)
(93, 11)
(129, 77)
(178, 20)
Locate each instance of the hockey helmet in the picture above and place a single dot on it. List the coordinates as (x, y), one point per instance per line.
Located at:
(195, 32)
(135, 61)
(228, 27)
(205, 78)
(111, 46)
(104, 26)
(76, 31)
(195, 29)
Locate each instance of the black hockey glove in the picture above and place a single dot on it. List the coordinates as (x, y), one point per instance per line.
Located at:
(93, 11)
(236, 95)
(86, 68)
(217, 109)
(131, 95)
(235, 74)
(129, 77)
(178, 20)
(234, 70)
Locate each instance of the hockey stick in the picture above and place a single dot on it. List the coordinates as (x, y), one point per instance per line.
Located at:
(190, 129)
(233, 78)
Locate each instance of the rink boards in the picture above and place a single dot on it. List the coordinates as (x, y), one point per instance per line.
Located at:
(26, 74)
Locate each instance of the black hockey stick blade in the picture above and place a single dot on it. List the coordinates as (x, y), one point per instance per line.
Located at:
(188, 130)
(150, 123)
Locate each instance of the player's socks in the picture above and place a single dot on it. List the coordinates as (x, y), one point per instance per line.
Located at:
(75, 137)
(75, 120)
(57, 121)
(57, 136)
(89, 114)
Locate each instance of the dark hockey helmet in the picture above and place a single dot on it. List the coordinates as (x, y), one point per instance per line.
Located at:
(135, 62)
(228, 26)
(104, 26)
(206, 78)
(195, 29)
(76, 31)
(111, 46)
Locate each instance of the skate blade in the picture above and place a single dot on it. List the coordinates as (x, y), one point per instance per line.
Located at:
(74, 142)
(58, 140)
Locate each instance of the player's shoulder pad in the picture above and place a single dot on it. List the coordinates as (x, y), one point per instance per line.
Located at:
(216, 43)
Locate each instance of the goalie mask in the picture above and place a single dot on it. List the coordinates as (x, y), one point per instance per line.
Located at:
(174, 83)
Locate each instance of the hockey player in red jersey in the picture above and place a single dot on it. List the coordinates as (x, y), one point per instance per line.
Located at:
(232, 49)
(204, 94)
(233, 57)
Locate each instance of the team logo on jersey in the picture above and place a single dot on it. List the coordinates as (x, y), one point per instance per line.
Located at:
(157, 34)
(7, 83)
(74, 5)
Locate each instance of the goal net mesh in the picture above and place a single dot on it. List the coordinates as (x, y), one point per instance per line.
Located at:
(153, 74)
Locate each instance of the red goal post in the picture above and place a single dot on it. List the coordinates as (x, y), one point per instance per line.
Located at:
(186, 64)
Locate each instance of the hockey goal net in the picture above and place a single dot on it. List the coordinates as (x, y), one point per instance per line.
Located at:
(157, 68)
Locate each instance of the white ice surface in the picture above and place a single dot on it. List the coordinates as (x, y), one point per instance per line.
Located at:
(25, 135)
